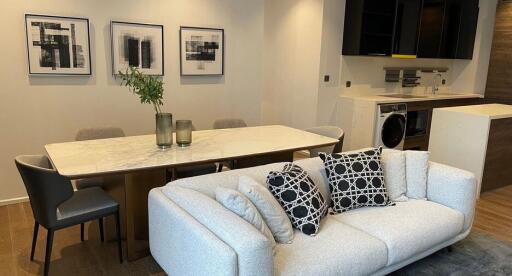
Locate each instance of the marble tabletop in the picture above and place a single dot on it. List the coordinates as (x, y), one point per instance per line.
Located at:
(121, 155)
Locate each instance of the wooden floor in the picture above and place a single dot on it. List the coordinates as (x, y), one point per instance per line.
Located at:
(494, 214)
(71, 257)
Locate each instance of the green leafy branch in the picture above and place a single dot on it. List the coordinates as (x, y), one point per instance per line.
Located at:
(149, 88)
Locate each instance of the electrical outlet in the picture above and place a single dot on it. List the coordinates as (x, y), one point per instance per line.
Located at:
(327, 78)
(348, 84)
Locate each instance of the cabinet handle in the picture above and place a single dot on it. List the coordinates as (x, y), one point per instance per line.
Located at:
(377, 54)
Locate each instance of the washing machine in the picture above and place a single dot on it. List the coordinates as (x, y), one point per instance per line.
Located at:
(391, 125)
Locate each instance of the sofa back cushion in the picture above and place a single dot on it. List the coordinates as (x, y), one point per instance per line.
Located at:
(206, 184)
(393, 165)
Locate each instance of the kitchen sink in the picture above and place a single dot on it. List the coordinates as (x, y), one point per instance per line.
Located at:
(404, 96)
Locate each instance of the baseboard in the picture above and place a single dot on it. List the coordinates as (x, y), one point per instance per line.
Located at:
(13, 200)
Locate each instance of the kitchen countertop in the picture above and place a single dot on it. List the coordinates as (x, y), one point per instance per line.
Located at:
(492, 111)
(380, 99)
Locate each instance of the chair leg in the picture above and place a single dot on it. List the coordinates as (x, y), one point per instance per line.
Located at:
(119, 242)
(219, 168)
(82, 226)
(47, 258)
(102, 234)
(34, 240)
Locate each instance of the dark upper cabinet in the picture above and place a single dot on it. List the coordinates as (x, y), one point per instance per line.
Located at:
(369, 27)
(407, 22)
(431, 28)
(448, 29)
(422, 28)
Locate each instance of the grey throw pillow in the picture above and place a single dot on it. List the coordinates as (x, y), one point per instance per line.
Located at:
(271, 211)
(237, 203)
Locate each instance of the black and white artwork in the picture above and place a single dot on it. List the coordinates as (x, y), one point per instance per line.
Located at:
(202, 51)
(137, 45)
(57, 45)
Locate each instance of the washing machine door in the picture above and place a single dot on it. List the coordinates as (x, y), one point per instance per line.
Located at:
(393, 130)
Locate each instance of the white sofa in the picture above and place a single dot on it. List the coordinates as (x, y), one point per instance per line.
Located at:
(192, 234)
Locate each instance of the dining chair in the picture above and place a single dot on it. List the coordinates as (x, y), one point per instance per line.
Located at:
(95, 133)
(194, 170)
(329, 131)
(56, 206)
(228, 123)
(223, 124)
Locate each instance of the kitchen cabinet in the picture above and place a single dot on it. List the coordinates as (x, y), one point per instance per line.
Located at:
(448, 29)
(407, 21)
(369, 26)
(411, 28)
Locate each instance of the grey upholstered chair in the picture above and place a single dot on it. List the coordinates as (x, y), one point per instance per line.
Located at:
(329, 131)
(55, 205)
(228, 123)
(93, 134)
(190, 171)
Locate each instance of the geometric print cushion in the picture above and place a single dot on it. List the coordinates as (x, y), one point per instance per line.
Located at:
(299, 197)
(355, 180)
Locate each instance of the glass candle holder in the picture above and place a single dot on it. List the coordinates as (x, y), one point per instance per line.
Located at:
(183, 133)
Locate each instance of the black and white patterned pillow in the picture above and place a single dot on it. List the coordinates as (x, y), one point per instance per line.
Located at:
(299, 197)
(355, 180)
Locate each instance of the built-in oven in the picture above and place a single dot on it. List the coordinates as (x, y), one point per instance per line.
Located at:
(417, 123)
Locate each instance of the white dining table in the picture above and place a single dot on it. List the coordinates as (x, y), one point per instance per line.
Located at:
(131, 166)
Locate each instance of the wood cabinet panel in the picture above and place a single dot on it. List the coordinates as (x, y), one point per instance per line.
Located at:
(499, 155)
(499, 78)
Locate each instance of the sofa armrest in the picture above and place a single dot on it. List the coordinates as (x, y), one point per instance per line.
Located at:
(454, 188)
(183, 246)
(254, 251)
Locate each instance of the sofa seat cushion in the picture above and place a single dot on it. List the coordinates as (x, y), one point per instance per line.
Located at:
(408, 228)
(338, 249)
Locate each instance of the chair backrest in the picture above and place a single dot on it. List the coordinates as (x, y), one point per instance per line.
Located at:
(228, 123)
(98, 133)
(329, 131)
(45, 187)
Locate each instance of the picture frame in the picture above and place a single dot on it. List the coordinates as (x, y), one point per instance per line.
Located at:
(201, 51)
(58, 45)
(139, 45)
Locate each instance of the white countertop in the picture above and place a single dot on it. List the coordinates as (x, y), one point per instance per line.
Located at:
(380, 99)
(492, 111)
(125, 154)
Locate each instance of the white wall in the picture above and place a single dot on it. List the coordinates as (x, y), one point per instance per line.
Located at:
(35, 111)
(293, 32)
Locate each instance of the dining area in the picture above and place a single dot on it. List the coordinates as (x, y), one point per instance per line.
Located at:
(101, 181)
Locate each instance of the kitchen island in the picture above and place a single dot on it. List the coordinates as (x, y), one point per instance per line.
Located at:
(476, 138)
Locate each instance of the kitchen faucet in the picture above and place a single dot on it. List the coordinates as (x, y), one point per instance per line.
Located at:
(435, 87)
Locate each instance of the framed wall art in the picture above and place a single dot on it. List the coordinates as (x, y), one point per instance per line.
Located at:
(137, 45)
(201, 51)
(58, 45)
